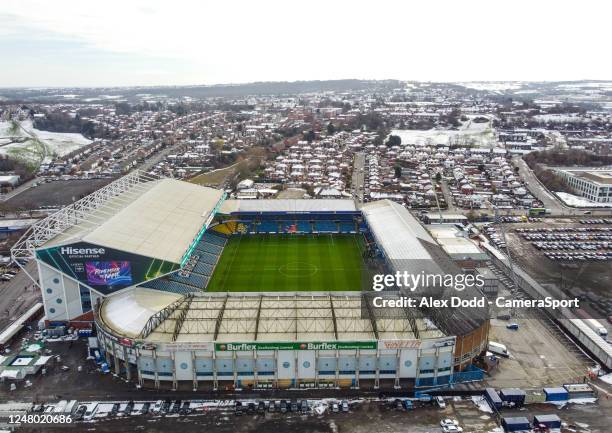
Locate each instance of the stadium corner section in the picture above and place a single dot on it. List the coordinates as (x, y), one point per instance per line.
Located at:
(132, 231)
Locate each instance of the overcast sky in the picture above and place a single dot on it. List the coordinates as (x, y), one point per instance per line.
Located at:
(153, 42)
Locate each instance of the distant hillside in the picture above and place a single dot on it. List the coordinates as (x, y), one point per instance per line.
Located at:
(212, 91)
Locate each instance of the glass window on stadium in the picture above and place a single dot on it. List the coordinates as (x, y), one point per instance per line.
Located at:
(85, 298)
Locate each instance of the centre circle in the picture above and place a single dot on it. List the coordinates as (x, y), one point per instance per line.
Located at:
(298, 269)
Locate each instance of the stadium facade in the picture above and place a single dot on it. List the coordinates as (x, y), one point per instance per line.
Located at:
(134, 259)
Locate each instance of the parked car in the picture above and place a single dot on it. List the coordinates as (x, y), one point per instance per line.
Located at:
(449, 421)
(440, 402)
(294, 406)
(145, 408)
(345, 406)
(283, 406)
(261, 407)
(157, 406)
(335, 407)
(80, 413)
(114, 410)
(251, 407)
(238, 408)
(128, 408)
(185, 409)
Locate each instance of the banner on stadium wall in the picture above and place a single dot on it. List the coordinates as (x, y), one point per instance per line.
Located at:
(310, 345)
(399, 344)
(105, 270)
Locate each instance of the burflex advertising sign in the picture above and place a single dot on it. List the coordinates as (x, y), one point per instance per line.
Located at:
(105, 270)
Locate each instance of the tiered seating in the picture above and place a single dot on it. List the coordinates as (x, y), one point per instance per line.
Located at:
(347, 226)
(214, 238)
(326, 227)
(304, 227)
(204, 268)
(170, 286)
(198, 269)
(268, 227)
(206, 247)
(211, 259)
(194, 279)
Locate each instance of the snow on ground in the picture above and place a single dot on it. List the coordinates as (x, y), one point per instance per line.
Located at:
(576, 201)
(607, 378)
(492, 85)
(482, 404)
(479, 136)
(35, 146)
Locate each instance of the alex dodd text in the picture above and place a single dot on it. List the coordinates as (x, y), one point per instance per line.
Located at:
(475, 302)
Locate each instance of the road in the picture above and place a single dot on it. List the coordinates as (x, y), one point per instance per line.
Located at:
(17, 296)
(358, 176)
(448, 197)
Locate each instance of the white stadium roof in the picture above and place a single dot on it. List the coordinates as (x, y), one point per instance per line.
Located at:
(157, 218)
(397, 231)
(288, 205)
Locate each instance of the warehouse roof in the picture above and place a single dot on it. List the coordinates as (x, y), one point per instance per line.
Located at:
(156, 218)
(288, 205)
(264, 317)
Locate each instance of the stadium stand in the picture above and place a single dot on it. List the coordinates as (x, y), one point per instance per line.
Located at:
(267, 227)
(197, 271)
(347, 227)
(304, 227)
(326, 227)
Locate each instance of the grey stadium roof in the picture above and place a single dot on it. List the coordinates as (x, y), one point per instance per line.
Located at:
(408, 247)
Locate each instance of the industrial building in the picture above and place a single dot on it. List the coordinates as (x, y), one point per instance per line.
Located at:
(595, 185)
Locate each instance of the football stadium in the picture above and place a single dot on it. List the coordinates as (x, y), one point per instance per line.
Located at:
(187, 289)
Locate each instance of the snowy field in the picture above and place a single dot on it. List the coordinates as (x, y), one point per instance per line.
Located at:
(22, 141)
(492, 86)
(471, 134)
(576, 201)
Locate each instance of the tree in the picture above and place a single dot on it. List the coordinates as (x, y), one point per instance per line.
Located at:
(331, 129)
(394, 140)
(310, 136)
(398, 171)
(438, 177)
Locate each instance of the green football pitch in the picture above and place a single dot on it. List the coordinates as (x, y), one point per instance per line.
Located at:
(287, 263)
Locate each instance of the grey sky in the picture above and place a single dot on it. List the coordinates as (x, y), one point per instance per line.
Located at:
(79, 43)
